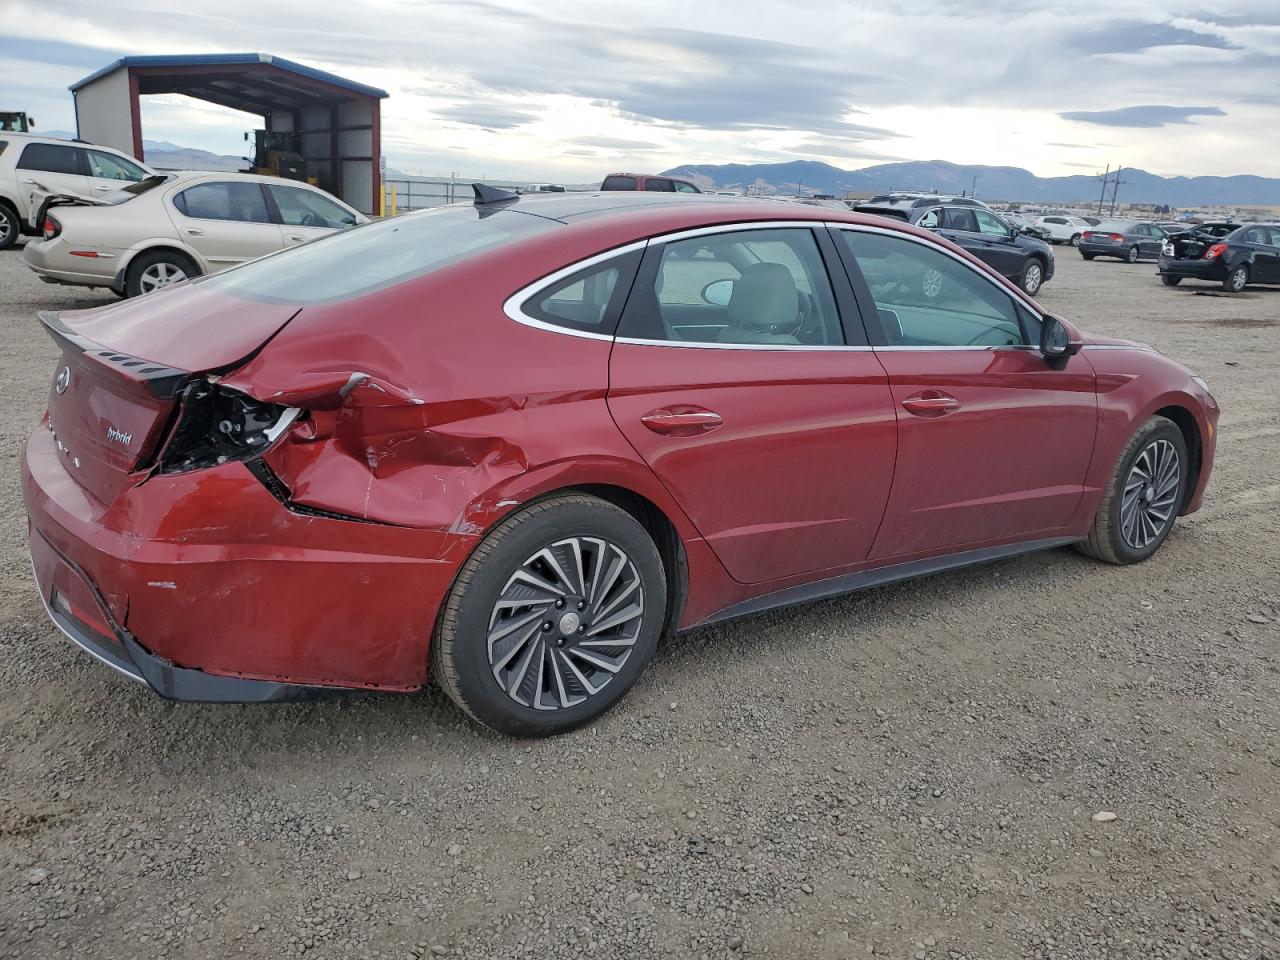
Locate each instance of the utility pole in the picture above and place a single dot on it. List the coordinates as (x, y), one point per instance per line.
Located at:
(1102, 197)
(1115, 189)
(973, 187)
(799, 184)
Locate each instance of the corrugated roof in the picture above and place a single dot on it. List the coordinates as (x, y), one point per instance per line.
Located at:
(231, 59)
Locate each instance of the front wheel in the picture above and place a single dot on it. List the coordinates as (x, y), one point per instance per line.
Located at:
(1169, 281)
(1032, 277)
(1142, 500)
(1236, 280)
(10, 228)
(553, 618)
(1132, 254)
(1087, 256)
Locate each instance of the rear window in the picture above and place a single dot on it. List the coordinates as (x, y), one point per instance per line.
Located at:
(134, 189)
(378, 254)
(1114, 226)
(618, 183)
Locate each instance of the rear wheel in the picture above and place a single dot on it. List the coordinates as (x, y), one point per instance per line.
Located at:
(152, 271)
(1032, 277)
(1236, 280)
(1131, 255)
(1075, 239)
(1169, 281)
(1144, 496)
(553, 618)
(10, 228)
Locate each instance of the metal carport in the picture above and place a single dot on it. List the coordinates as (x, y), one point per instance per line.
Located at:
(339, 120)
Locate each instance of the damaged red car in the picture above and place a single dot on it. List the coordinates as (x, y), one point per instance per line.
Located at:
(510, 444)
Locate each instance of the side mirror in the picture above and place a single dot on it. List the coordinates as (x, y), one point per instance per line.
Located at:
(1059, 341)
(718, 292)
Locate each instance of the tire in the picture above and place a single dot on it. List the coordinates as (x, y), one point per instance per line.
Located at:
(1075, 239)
(477, 663)
(1132, 254)
(1112, 538)
(1236, 280)
(10, 227)
(1169, 281)
(154, 270)
(1032, 277)
(1087, 256)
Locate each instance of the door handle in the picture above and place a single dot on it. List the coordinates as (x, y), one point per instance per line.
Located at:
(295, 238)
(684, 422)
(193, 232)
(30, 182)
(102, 187)
(931, 403)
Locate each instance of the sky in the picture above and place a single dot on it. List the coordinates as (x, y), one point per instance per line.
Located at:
(568, 91)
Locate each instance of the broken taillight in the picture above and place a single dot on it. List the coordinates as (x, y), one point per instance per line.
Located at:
(1215, 251)
(217, 425)
(50, 228)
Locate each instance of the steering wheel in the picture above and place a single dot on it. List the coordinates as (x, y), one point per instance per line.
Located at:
(309, 219)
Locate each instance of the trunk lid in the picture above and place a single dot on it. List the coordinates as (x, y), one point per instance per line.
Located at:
(116, 387)
(1190, 245)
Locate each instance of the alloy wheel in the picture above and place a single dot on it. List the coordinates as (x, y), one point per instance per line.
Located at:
(159, 275)
(6, 231)
(565, 623)
(1031, 280)
(1132, 256)
(1239, 277)
(1150, 495)
(931, 283)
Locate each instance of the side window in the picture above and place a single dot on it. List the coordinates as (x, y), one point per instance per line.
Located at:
(1055, 220)
(659, 186)
(957, 219)
(990, 224)
(926, 298)
(110, 167)
(618, 183)
(222, 200)
(305, 208)
(931, 220)
(685, 187)
(582, 300)
(52, 158)
(766, 287)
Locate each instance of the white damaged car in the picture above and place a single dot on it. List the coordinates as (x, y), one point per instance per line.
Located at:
(168, 227)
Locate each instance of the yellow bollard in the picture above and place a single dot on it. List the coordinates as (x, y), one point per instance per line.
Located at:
(382, 202)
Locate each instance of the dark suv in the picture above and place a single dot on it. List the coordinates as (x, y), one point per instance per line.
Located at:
(1024, 259)
(640, 181)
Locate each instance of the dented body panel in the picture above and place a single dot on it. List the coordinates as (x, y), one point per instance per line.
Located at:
(417, 416)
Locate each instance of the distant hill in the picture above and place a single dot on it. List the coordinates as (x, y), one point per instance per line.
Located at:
(994, 183)
(169, 156)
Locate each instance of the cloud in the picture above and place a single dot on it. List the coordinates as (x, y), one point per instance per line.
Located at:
(618, 143)
(1125, 36)
(490, 118)
(1146, 116)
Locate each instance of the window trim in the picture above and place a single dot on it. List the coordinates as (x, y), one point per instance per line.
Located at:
(513, 304)
(860, 295)
(863, 292)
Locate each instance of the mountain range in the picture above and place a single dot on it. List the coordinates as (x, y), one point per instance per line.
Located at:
(164, 155)
(993, 183)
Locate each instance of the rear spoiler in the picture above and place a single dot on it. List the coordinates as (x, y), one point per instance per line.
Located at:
(163, 383)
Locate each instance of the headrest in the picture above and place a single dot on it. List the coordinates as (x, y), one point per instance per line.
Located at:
(764, 296)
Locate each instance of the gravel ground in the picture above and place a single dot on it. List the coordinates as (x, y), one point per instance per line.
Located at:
(917, 771)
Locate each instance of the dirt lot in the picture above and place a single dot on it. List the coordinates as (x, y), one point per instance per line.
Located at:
(911, 772)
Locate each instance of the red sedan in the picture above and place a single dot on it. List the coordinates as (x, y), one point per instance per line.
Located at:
(510, 444)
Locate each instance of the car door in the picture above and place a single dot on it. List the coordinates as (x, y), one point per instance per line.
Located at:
(755, 399)
(1002, 250)
(227, 222)
(109, 172)
(307, 214)
(50, 168)
(993, 444)
(1264, 244)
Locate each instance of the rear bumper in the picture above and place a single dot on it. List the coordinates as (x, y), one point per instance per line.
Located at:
(1213, 269)
(1103, 249)
(207, 587)
(53, 263)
